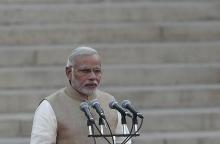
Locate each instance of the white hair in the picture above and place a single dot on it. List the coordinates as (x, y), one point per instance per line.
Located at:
(78, 52)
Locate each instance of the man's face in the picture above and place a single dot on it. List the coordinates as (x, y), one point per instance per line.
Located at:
(86, 74)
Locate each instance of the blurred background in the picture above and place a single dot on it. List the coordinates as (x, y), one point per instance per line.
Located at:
(162, 55)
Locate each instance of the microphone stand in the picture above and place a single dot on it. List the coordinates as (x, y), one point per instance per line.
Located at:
(123, 122)
(101, 123)
(135, 122)
(125, 133)
(90, 127)
(115, 135)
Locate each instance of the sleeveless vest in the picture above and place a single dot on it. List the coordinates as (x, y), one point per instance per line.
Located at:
(71, 122)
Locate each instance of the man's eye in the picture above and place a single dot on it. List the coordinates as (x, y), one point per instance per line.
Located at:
(97, 71)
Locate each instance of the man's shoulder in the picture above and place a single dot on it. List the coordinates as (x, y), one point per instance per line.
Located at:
(56, 94)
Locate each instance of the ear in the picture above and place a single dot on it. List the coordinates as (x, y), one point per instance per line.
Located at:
(68, 73)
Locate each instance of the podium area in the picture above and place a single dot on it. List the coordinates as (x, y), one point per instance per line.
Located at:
(162, 55)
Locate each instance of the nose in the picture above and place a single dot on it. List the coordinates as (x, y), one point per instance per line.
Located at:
(92, 75)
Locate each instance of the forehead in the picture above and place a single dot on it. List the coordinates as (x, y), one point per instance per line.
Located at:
(87, 60)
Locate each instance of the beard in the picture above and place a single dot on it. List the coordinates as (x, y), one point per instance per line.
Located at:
(89, 88)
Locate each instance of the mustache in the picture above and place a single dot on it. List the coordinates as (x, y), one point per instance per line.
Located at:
(91, 83)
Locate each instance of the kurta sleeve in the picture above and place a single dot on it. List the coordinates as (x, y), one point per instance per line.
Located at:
(44, 125)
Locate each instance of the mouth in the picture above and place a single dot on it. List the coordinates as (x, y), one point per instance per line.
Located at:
(91, 85)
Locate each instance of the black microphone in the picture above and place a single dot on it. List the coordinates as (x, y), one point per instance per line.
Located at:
(114, 105)
(127, 104)
(96, 105)
(85, 108)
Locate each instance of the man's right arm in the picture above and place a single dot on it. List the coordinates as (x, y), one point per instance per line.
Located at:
(44, 125)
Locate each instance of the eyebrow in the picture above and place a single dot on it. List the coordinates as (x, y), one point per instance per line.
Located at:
(86, 66)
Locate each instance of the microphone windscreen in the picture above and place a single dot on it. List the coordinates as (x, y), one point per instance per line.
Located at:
(83, 105)
(94, 102)
(112, 103)
(124, 103)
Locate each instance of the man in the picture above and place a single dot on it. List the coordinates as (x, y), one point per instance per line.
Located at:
(58, 119)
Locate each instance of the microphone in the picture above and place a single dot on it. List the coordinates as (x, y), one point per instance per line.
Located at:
(85, 108)
(114, 105)
(96, 105)
(127, 104)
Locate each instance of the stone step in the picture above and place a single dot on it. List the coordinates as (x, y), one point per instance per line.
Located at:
(16, 125)
(108, 13)
(162, 120)
(171, 120)
(211, 137)
(87, 1)
(26, 100)
(136, 53)
(156, 75)
(169, 96)
(124, 75)
(109, 33)
(20, 140)
(141, 97)
(152, 138)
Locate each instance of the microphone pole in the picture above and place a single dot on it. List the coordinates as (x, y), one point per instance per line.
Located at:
(114, 105)
(90, 121)
(101, 123)
(90, 127)
(135, 122)
(124, 123)
(127, 104)
(96, 105)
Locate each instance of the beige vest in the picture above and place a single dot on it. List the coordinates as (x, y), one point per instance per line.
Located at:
(71, 121)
